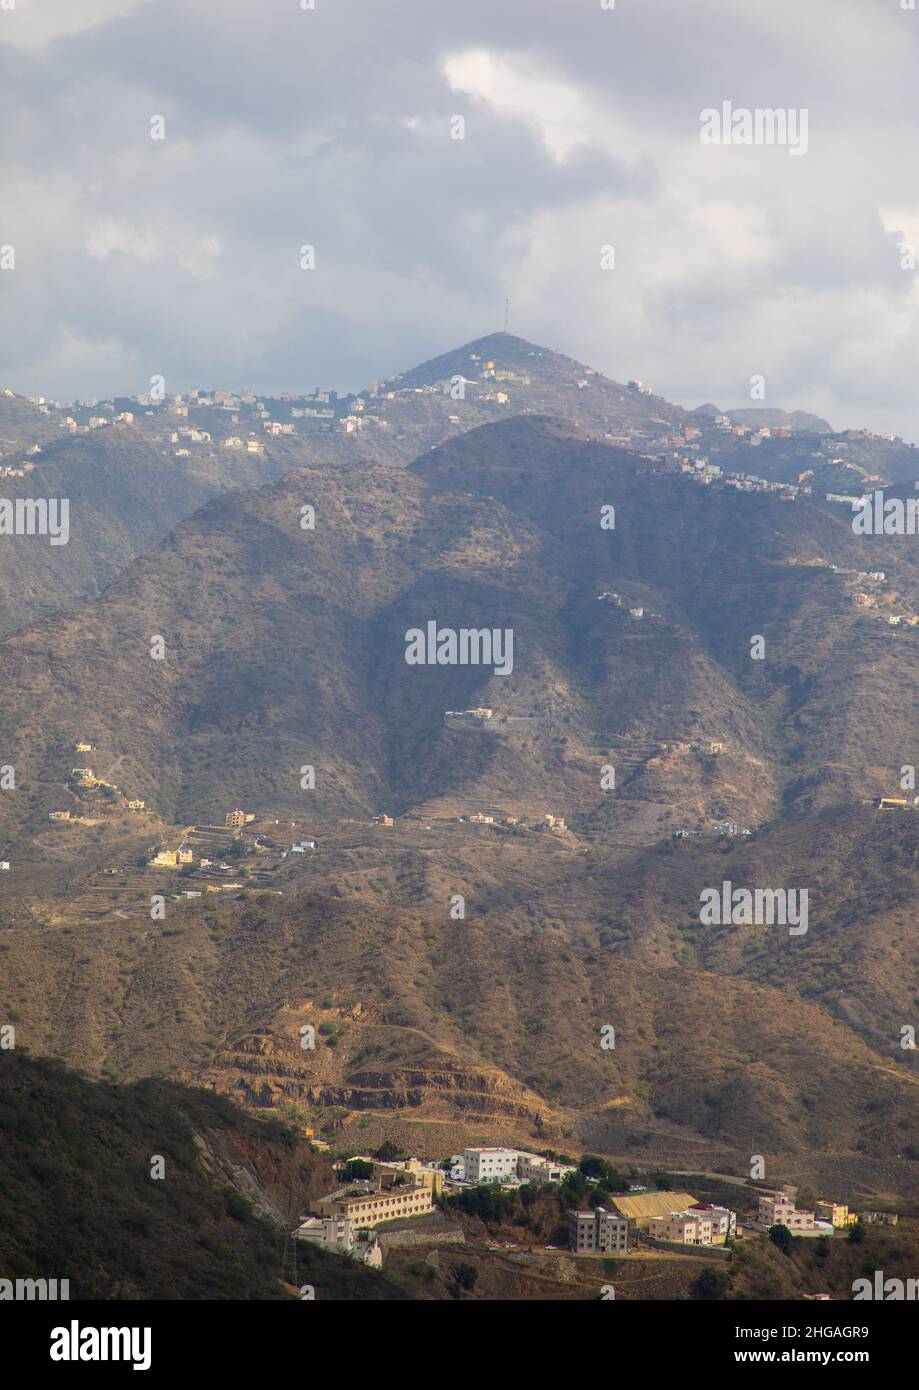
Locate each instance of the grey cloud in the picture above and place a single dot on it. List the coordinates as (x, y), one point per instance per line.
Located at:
(331, 127)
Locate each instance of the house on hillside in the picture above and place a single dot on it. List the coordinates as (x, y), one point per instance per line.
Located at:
(597, 1232)
(778, 1209)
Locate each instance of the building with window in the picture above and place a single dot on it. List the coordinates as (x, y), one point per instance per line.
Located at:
(370, 1207)
(598, 1232)
(779, 1210)
(489, 1165)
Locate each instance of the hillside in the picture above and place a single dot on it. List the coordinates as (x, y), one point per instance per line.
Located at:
(78, 1202)
(131, 469)
(473, 535)
(125, 491)
(285, 650)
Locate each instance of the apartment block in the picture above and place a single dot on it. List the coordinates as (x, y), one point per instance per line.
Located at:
(779, 1210)
(597, 1232)
(682, 1227)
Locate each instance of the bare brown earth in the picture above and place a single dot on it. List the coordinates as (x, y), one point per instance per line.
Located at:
(285, 648)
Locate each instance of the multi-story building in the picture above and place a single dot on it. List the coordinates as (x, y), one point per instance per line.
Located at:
(779, 1210)
(328, 1232)
(597, 1232)
(369, 1208)
(489, 1165)
(683, 1227)
(535, 1168)
(338, 1234)
(417, 1173)
(724, 1221)
(837, 1213)
(508, 1166)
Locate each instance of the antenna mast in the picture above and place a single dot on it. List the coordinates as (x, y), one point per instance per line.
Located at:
(507, 313)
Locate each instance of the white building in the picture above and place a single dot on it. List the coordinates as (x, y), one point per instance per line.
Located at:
(507, 1165)
(340, 1235)
(535, 1168)
(489, 1165)
(328, 1232)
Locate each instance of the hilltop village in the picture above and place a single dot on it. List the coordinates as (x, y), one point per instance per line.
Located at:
(491, 379)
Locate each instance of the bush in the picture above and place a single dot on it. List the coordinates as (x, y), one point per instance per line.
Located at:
(388, 1152)
(781, 1238)
(465, 1276)
(238, 1206)
(712, 1283)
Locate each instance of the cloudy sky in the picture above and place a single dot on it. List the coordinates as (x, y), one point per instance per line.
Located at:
(331, 127)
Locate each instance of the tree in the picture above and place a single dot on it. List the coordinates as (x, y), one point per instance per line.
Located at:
(465, 1276)
(712, 1283)
(857, 1234)
(607, 1177)
(782, 1238)
(573, 1190)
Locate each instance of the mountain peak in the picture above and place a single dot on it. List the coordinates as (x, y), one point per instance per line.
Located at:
(505, 350)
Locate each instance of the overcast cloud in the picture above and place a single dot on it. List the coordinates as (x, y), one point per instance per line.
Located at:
(331, 127)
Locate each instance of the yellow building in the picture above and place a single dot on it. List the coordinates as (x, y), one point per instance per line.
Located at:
(418, 1173)
(171, 858)
(837, 1213)
(371, 1208)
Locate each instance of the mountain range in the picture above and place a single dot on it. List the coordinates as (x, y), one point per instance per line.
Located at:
(500, 488)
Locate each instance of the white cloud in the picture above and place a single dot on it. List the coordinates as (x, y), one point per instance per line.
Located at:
(31, 23)
(109, 235)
